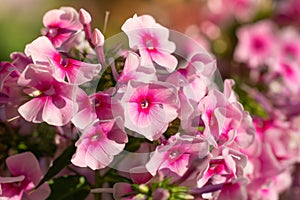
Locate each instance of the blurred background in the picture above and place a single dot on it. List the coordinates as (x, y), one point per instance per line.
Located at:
(21, 21)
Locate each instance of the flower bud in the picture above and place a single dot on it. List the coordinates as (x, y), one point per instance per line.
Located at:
(143, 188)
(97, 38)
(84, 17)
(184, 196)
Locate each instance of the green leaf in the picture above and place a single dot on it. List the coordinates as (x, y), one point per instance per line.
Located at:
(69, 187)
(249, 104)
(62, 161)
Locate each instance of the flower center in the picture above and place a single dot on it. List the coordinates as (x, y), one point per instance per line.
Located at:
(144, 104)
(64, 62)
(258, 44)
(52, 32)
(150, 44)
(96, 137)
(50, 92)
(174, 154)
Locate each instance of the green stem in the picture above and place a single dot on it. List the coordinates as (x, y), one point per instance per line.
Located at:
(98, 184)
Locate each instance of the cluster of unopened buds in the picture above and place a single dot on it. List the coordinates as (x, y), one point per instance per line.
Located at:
(150, 117)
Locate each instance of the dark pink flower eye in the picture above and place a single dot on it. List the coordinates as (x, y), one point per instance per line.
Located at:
(258, 43)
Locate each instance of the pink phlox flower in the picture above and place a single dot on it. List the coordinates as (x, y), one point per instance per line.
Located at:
(177, 154)
(283, 140)
(151, 40)
(213, 110)
(256, 44)
(290, 72)
(289, 45)
(134, 71)
(107, 105)
(224, 11)
(76, 72)
(193, 82)
(270, 189)
(241, 120)
(226, 166)
(26, 173)
(99, 143)
(261, 168)
(149, 107)
(196, 77)
(61, 24)
(225, 119)
(52, 101)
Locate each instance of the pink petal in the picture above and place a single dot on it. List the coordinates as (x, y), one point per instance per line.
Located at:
(131, 64)
(96, 158)
(58, 110)
(32, 76)
(155, 162)
(41, 50)
(165, 59)
(121, 189)
(78, 159)
(80, 72)
(41, 192)
(110, 147)
(139, 174)
(136, 22)
(146, 60)
(33, 109)
(11, 179)
(179, 166)
(65, 17)
(25, 164)
(52, 17)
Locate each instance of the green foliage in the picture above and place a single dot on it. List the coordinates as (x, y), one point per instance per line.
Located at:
(61, 162)
(69, 187)
(175, 192)
(40, 142)
(250, 105)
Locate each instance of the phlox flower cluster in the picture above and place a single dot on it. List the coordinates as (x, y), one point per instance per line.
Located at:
(271, 54)
(191, 138)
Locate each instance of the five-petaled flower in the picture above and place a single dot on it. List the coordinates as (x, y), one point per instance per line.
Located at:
(151, 39)
(149, 107)
(99, 143)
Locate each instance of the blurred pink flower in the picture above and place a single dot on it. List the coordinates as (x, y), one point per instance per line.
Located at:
(26, 173)
(256, 43)
(61, 24)
(76, 72)
(234, 190)
(149, 107)
(289, 44)
(151, 39)
(99, 143)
